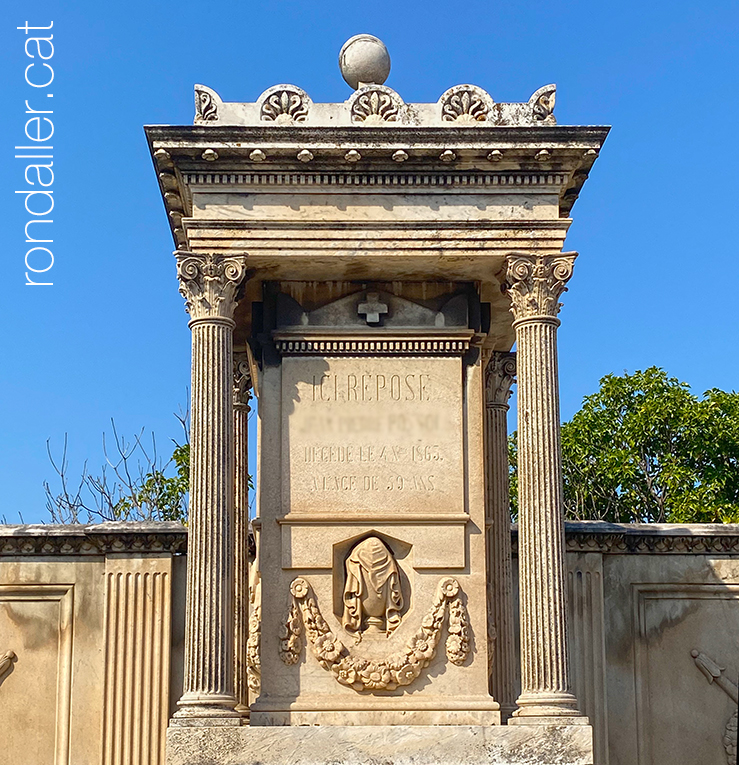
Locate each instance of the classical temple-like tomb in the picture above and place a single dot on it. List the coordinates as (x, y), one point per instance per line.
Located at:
(366, 268)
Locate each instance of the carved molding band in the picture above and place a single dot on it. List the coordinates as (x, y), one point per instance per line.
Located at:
(535, 282)
(500, 374)
(360, 347)
(375, 179)
(208, 282)
(387, 674)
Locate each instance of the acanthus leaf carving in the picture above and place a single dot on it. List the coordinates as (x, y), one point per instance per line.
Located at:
(209, 283)
(375, 105)
(284, 105)
(500, 374)
(465, 104)
(242, 381)
(359, 673)
(535, 283)
(206, 104)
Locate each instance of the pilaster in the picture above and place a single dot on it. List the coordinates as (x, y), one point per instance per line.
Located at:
(500, 374)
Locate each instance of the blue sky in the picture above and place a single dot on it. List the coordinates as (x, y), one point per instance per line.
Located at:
(655, 283)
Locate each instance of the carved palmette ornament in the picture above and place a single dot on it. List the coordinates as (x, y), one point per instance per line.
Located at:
(361, 674)
(284, 105)
(375, 105)
(206, 104)
(465, 105)
(542, 103)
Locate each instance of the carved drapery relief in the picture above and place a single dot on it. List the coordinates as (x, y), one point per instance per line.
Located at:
(535, 282)
(372, 596)
(715, 675)
(6, 662)
(284, 105)
(375, 106)
(362, 674)
(465, 104)
(500, 374)
(206, 104)
(209, 282)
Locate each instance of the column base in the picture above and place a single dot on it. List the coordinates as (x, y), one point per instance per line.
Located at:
(199, 710)
(547, 708)
(368, 745)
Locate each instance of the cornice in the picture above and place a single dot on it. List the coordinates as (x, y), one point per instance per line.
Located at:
(93, 539)
(649, 539)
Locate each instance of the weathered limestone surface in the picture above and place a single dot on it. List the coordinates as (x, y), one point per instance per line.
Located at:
(535, 284)
(209, 283)
(500, 373)
(399, 745)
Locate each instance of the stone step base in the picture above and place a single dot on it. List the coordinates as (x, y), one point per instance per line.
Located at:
(382, 745)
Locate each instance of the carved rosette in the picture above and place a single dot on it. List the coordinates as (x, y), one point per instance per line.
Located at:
(361, 674)
(209, 283)
(542, 103)
(465, 105)
(242, 382)
(206, 104)
(375, 105)
(500, 374)
(535, 283)
(284, 105)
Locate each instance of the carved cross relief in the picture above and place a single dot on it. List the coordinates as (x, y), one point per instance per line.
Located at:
(372, 308)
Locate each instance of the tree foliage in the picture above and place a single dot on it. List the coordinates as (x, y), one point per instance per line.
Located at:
(645, 449)
(134, 484)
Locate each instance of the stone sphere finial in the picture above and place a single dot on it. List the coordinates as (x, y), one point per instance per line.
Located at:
(364, 60)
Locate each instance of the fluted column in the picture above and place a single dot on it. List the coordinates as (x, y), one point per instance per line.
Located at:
(209, 283)
(500, 374)
(534, 284)
(242, 396)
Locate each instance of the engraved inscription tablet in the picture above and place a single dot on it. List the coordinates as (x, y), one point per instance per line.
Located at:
(372, 435)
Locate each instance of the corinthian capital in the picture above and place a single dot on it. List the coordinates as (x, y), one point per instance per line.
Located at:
(535, 283)
(242, 381)
(500, 374)
(209, 282)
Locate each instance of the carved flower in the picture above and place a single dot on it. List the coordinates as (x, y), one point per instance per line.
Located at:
(453, 644)
(428, 622)
(345, 673)
(328, 648)
(375, 676)
(422, 647)
(299, 588)
(449, 587)
(406, 674)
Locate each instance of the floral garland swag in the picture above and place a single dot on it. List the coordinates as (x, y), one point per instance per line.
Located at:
(373, 675)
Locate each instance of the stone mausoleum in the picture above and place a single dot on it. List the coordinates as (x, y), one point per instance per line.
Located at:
(361, 271)
(366, 267)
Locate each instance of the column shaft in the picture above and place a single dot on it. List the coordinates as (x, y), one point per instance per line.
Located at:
(242, 383)
(209, 282)
(535, 284)
(499, 375)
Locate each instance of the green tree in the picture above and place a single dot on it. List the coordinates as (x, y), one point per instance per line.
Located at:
(645, 449)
